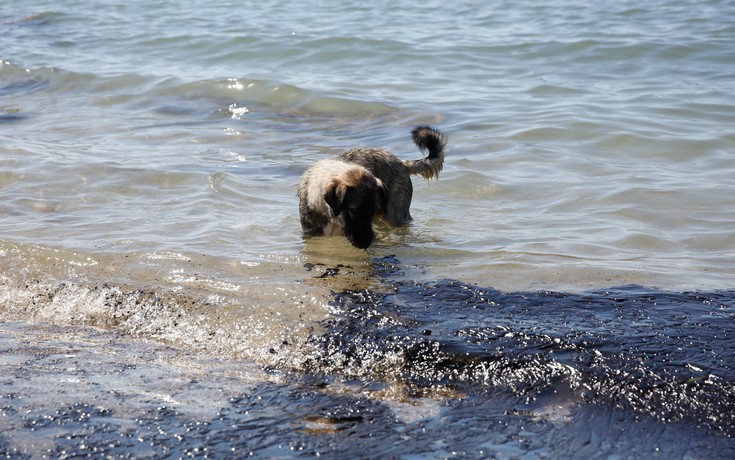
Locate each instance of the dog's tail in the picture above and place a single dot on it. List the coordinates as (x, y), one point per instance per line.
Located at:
(428, 138)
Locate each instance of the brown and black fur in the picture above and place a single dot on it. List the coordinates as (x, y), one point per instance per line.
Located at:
(345, 194)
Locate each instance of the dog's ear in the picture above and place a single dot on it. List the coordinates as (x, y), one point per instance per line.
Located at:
(334, 197)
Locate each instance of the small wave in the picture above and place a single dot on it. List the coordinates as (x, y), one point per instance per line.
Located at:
(18, 80)
(11, 114)
(236, 98)
(231, 97)
(202, 304)
(274, 96)
(275, 106)
(15, 80)
(38, 19)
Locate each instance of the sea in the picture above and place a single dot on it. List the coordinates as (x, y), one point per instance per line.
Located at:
(566, 289)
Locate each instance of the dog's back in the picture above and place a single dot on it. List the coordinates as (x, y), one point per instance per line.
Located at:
(386, 165)
(395, 173)
(395, 176)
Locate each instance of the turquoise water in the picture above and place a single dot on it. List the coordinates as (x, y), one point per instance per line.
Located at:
(150, 154)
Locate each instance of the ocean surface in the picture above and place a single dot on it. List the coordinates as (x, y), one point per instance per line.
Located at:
(566, 289)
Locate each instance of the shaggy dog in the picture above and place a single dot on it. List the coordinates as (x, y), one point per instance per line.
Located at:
(344, 194)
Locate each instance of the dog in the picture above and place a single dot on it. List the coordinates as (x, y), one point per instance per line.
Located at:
(345, 194)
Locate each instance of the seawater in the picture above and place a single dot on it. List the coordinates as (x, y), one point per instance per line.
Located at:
(566, 288)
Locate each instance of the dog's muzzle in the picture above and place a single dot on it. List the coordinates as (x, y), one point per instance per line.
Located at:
(362, 239)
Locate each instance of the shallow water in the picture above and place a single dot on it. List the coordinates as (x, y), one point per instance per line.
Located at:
(579, 241)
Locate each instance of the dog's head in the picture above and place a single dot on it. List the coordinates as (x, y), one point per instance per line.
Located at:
(357, 197)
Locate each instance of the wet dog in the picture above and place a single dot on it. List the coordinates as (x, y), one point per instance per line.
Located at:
(345, 194)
